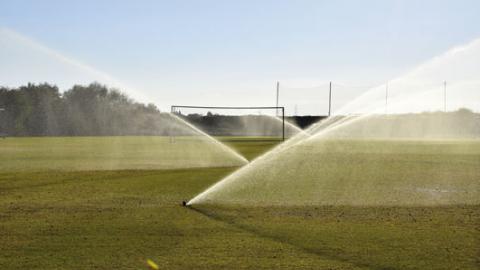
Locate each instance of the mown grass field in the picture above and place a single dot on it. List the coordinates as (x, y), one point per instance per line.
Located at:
(114, 153)
(116, 219)
(358, 173)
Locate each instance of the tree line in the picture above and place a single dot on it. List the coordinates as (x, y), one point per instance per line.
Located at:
(96, 110)
(92, 110)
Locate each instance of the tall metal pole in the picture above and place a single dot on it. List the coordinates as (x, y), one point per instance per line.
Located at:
(172, 112)
(278, 93)
(330, 100)
(445, 96)
(283, 125)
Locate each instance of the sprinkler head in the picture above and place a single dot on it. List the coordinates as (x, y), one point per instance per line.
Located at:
(184, 203)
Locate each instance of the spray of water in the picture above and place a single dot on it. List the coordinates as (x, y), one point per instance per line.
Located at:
(290, 128)
(25, 60)
(240, 122)
(393, 145)
(225, 148)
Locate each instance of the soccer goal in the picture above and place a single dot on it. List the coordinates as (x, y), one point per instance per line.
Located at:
(263, 121)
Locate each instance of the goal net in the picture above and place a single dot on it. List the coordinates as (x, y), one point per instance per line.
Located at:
(261, 122)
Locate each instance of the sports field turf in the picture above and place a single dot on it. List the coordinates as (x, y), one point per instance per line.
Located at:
(56, 219)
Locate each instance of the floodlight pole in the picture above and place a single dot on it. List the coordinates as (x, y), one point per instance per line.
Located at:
(330, 100)
(278, 93)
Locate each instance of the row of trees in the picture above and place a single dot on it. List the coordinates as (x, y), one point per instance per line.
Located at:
(41, 110)
(95, 110)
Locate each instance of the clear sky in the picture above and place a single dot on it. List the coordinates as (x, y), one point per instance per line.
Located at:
(232, 52)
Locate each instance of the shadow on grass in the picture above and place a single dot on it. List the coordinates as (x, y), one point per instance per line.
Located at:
(282, 240)
(368, 237)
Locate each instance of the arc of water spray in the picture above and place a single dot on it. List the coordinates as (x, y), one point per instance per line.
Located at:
(326, 126)
(106, 78)
(217, 142)
(298, 139)
(321, 127)
(318, 130)
(287, 124)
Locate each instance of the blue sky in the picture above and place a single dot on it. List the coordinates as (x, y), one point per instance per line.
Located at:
(232, 52)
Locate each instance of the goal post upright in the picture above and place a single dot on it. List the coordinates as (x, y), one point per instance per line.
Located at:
(276, 108)
(283, 123)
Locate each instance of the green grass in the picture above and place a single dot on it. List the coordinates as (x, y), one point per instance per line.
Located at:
(113, 153)
(371, 237)
(117, 219)
(250, 147)
(360, 172)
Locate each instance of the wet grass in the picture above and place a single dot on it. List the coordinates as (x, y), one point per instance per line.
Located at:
(360, 172)
(250, 147)
(117, 219)
(113, 153)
